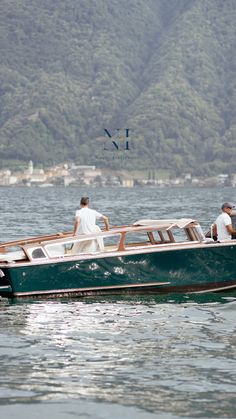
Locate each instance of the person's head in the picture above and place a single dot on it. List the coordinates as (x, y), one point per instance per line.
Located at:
(227, 207)
(84, 201)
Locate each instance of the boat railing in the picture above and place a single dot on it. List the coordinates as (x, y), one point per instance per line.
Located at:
(35, 239)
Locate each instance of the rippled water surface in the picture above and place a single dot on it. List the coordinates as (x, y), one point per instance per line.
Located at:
(124, 357)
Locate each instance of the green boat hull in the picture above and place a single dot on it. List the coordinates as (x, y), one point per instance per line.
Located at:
(181, 270)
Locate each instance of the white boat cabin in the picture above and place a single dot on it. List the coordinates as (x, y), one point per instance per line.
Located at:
(143, 234)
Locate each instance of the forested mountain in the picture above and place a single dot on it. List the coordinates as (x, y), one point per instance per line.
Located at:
(165, 70)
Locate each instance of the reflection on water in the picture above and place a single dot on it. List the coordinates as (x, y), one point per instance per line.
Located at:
(169, 356)
(192, 298)
(157, 356)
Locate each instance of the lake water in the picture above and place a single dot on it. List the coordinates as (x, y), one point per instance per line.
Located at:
(115, 357)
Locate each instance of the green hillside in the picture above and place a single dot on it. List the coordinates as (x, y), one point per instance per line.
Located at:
(163, 70)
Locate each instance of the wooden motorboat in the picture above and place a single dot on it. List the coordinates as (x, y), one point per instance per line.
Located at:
(149, 256)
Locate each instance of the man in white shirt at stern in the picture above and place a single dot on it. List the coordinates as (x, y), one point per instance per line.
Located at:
(223, 228)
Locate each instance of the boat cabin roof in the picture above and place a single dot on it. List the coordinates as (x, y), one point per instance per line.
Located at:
(165, 224)
(138, 226)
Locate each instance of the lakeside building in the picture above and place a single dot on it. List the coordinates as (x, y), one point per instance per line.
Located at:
(7, 178)
(80, 175)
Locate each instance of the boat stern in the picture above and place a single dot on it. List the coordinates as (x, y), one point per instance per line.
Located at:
(5, 286)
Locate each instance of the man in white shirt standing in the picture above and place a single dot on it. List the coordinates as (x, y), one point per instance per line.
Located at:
(85, 223)
(85, 218)
(223, 228)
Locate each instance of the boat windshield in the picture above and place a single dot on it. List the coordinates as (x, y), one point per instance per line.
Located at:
(162, 236)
